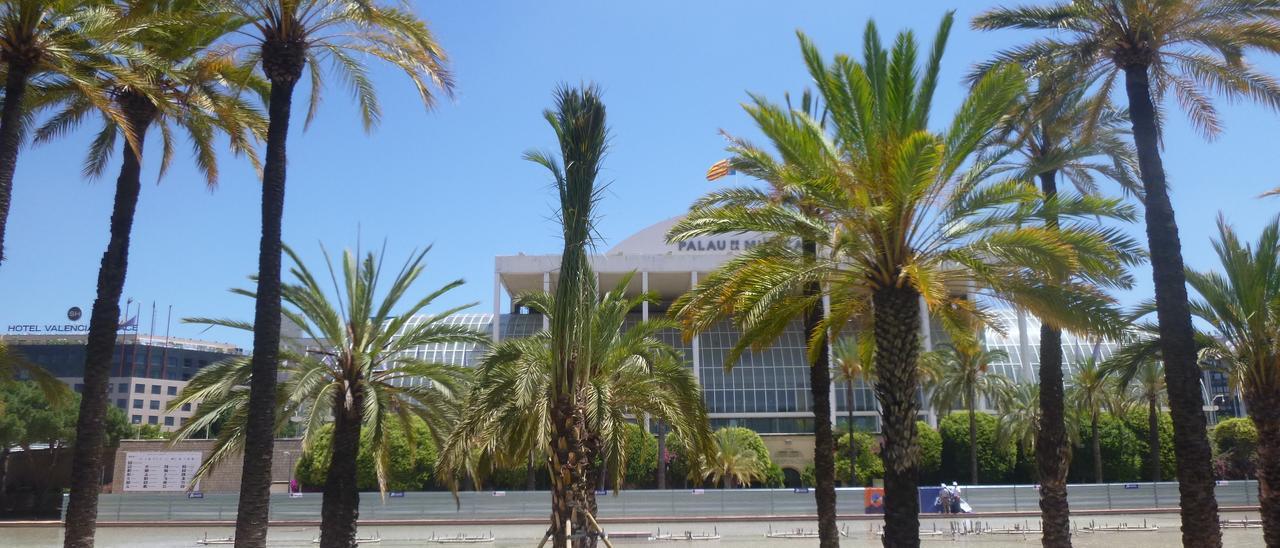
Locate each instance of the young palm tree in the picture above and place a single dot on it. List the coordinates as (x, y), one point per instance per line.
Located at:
(286, 37)
(508, 410)
(1058, 129)
(854, 361)
(914, 220)
(1194, 48)
(1089, 392)
(354, 368)
(184, 84)
(69, 40)
(733, 461)
(796, 216)
(965, 375)
(1241, 305)
(579, 124)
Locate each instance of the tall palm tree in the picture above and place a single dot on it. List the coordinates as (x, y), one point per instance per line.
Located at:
(1090, 391)
(733, 461)
(582, 134)
(355, 367)
(854, 361)
(508, 410)
(183, 84)
(965, 376)
(1057, 129)
(286, 37)
(914, 221)
(799, 217)
(1241, 305)
(69, 40)
(1194, 48)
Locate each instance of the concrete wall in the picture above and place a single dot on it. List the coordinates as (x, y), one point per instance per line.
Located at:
(793, 451)
(225, 477)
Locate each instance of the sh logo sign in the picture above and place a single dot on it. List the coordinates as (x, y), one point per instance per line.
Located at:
(74, 314)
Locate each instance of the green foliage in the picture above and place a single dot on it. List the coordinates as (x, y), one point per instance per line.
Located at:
(148, 432)
(868, 466)
(411, 464)
(1235, 443)
(930, 452)
(809, 476)
(1136, 420)
(1122, 452)
(680, 467)
(995, 462)
(642, 457)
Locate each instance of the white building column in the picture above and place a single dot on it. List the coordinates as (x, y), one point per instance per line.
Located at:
(697, 361)
(644, 288)
(546, 288)
(831, 388)
(497, 306)
(926, 333)
(1024, 347)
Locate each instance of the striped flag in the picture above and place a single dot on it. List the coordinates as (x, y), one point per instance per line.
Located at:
(718, 170)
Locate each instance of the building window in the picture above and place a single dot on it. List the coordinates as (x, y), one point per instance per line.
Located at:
(168, 421)
(153, 420)
(122, 388)
(155, 404)
(173, 391)
(137, 404)
(122, 403)
(137, 419)
(139, 388)
(155, 389)
(182, 421)
(186, 407)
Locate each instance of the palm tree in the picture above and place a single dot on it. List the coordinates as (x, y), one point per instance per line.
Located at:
(581, 132)
(184, 84)
(1089, 392)
(1058, 128)
(14, 367)
(1020, 422)
(796, 216)
(1194, 48)
(733, 461)
(289, 36)
(356, 368)
(913, 221)
(965, 375)
(508, 410)
(854, 361)
(1241, 305)
(66, 40)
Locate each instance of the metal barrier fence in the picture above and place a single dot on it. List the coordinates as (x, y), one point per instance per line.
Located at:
(647, 503)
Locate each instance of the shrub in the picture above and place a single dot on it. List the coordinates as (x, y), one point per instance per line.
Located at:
(930, 452)
(1136, 420)
(642, 458)
(411, 465)
(868, 466)
(994, 462)
(1235, 443)
(1122, 453)
(678, 469)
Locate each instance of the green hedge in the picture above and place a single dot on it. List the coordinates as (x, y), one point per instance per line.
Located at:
(930, 452)
(869, 466)
(412, 465)
(1235, 448)
(642, 458)
(995, 463)
(1123, 454)
(1136, 419)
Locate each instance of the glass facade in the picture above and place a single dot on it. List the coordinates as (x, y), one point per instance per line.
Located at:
(1075, 349)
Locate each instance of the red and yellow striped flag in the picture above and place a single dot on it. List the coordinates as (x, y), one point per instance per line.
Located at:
(718, 170)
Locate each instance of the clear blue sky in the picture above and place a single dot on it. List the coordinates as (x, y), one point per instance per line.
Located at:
(674, 73)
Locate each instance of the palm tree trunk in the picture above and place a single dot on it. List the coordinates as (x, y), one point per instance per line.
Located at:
(341, 504)
(824, 449)
(1153, 436)
(662, 457)
(86, 467)
(1096, 446)
(1182, 373)
(255, 479)
(853, 444)
(1053, 455)
(897, 333)
(15, 88)
(1264, 411)
(973, 438)
(568, 472)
